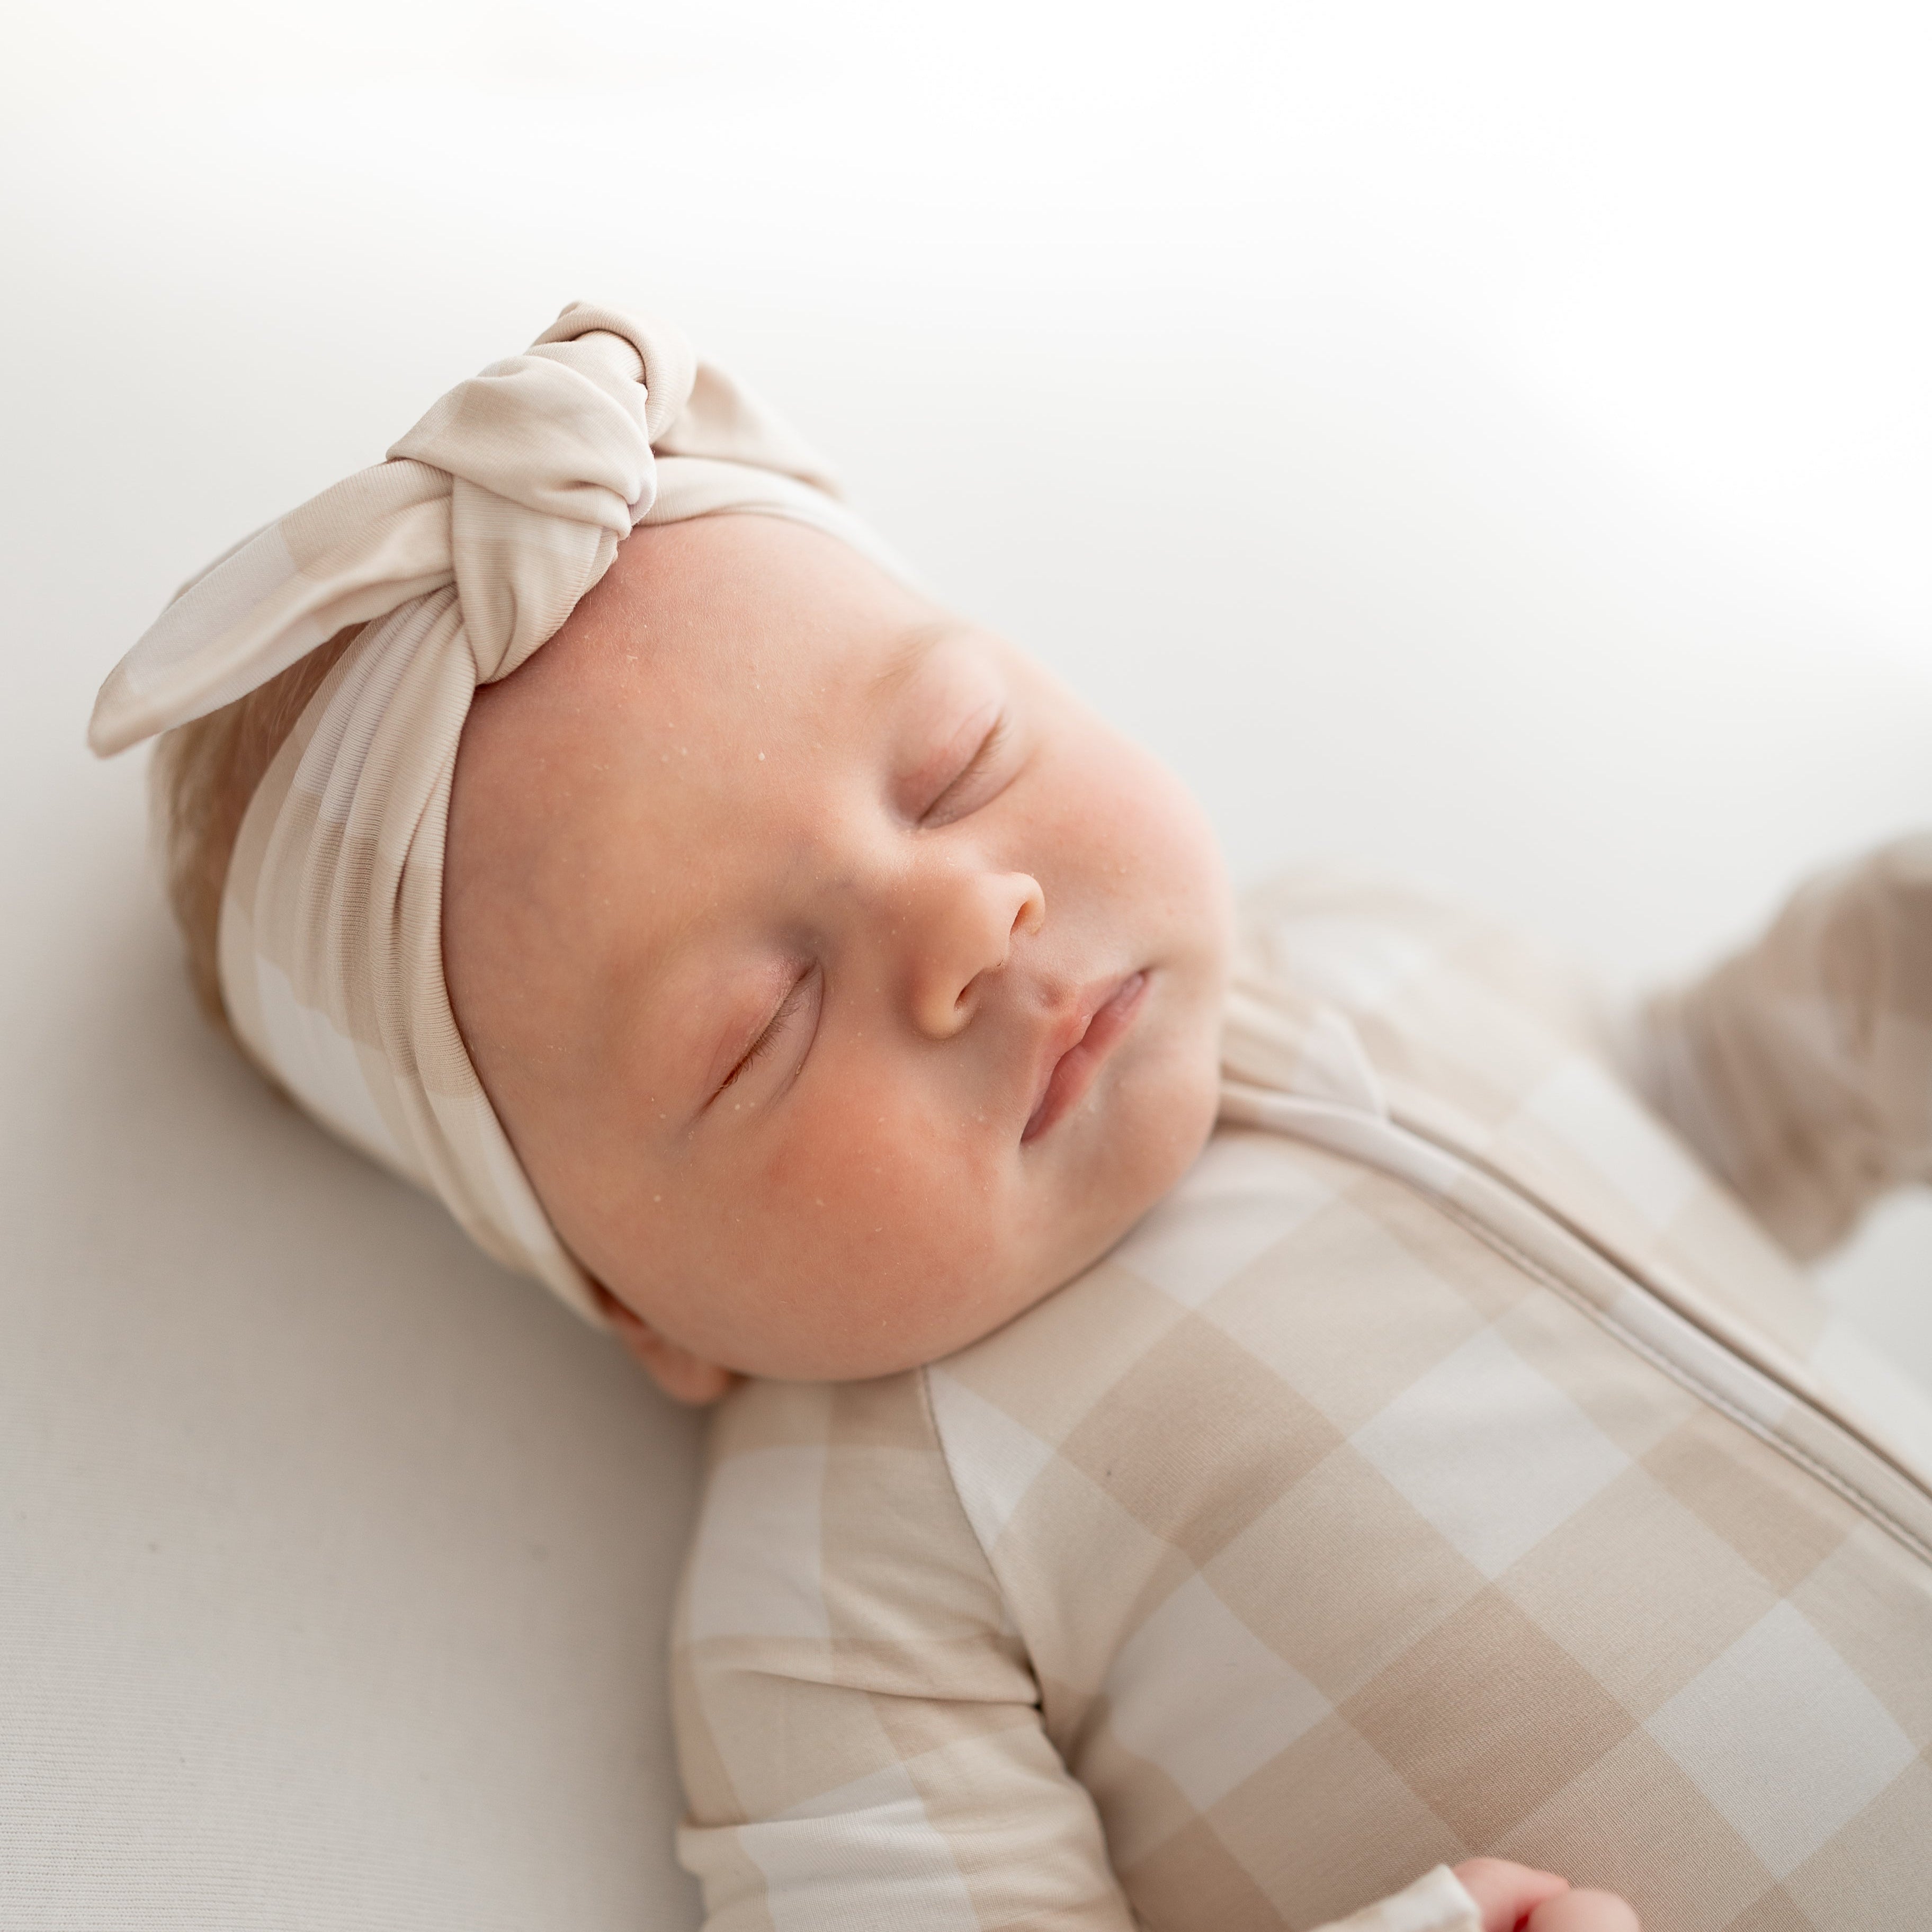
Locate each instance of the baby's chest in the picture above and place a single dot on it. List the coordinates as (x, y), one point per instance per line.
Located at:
(1348, 1545)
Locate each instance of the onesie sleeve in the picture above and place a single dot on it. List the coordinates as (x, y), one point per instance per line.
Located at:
(1434, 1902)
(1802, 1067)
(858, 1727)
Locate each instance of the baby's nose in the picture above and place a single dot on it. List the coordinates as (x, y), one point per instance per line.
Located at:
(967, 934)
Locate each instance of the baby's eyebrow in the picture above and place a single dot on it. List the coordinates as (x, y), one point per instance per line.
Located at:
(908, 652)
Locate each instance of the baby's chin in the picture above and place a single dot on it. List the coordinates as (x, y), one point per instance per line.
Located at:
(1116, 1166)
(1067, 1236)
(917, 1304)
(1149, 1131)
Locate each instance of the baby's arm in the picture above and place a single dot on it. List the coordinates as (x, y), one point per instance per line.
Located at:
(860, 1732)
(860, 1735)
(1801, 1068)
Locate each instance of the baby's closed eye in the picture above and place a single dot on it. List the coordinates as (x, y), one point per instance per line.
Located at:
(975, 782)
(795, 1015)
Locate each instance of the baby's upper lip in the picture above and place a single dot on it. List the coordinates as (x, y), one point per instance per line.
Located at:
(1082, 1033)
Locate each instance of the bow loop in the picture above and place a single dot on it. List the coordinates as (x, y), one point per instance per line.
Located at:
(517, 487)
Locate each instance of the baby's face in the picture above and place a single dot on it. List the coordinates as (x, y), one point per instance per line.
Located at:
(844, 983)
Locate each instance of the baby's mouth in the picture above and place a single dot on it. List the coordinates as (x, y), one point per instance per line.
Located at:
(1095, 1033)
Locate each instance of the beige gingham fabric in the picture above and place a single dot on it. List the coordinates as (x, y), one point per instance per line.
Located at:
(1449, 1465)
(459, 556)
(1799, 1067)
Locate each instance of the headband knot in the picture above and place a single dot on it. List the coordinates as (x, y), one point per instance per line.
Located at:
(549, 456)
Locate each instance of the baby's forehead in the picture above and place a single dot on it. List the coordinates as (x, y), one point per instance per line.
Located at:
(663, 773)
(721, 668)
(705, 615)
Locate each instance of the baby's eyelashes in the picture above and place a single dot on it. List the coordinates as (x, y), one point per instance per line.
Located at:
(971, 786)
(798, 1007)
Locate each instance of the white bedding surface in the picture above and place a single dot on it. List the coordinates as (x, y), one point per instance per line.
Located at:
(335, 1564)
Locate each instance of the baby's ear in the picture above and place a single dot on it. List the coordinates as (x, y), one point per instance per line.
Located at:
(682, 1376)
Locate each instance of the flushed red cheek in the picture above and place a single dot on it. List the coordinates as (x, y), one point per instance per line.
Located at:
(893, 1210)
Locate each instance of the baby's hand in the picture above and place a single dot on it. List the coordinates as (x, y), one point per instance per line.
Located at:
(1514, 1898)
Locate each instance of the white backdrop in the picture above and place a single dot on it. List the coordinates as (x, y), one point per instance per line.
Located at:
(1540, 393)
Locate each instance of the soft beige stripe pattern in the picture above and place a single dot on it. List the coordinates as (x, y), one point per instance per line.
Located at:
(1450, 1465)
(459, 555)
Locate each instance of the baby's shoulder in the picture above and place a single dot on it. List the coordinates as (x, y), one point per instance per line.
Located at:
(827, 1507)
(1426, 982)
(760, 1417)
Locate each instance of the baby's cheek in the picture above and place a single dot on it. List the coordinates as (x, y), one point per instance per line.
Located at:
(894, 1221)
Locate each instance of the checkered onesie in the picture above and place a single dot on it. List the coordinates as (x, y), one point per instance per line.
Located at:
(1453, 1463)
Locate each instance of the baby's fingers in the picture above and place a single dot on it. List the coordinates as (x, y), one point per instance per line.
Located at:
(1505, 1893)
(1583, 1912)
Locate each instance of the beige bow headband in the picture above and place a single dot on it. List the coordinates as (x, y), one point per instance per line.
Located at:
(471, 545)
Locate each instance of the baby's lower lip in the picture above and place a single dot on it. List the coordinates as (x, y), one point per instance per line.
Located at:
(1078, 1067)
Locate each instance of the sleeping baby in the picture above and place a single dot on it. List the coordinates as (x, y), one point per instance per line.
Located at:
(1223, 1421)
